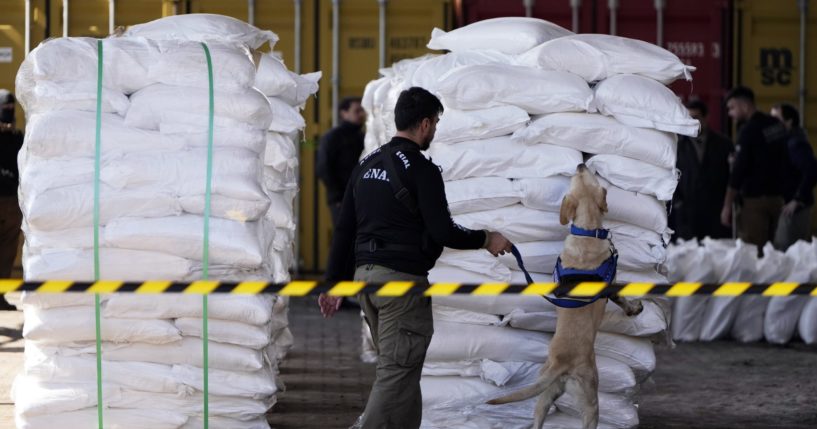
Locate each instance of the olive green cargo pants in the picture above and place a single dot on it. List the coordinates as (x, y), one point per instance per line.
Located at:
(401, 329)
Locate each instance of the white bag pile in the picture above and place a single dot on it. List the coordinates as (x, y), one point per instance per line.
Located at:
(152, 178)
(747, 318)
(526, 102)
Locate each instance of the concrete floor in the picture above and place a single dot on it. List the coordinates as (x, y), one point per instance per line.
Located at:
(719, 385)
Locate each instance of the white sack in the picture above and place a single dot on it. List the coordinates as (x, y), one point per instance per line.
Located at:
(285, 118)
(734, 261)
(114, 418)
(465, 125)
(784, 312)
(306, 85)
(250, 309)
(476, 261)
(518, 223)
(273, 78)
(597, 56)
(54, 300)
(72, 324)
(500, 304)
(257, 384)
(480, 193)
(535, 91)
(443, 273)
(450, 314)
(231, 243)
(689, 262)
(227, 423)
(634, 208)
(538, 256)
(599, 134)
(641, 102)
(280, 152)
(188, 351)
(203, 27)
(233, 407)
(78, 264)
(511, 35)
(426, 73)
(46, 96)
(157, 104)
(225, 331)
(73, 206)
(501, 157)
(808, 318)
(771, 268)
(635, 176)
(543, 193)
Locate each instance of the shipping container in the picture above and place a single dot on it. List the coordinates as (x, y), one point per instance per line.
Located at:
(770, 59)
(698, 31)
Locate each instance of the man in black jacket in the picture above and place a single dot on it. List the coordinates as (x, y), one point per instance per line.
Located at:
(393, 226)
(340, 151)
(758, 170)
(11, 140)
(798, 182)
(704, 165)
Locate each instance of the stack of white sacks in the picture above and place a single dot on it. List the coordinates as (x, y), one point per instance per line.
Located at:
(153, 159)
(525, 102)
(746, 318)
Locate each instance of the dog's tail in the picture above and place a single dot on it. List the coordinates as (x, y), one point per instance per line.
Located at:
(529, 392)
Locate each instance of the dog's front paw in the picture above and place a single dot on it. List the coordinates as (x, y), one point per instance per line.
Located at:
(634, 308)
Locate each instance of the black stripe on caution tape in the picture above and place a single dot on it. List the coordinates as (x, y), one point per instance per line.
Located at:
(400, 288)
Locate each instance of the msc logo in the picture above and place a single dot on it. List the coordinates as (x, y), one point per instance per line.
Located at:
(775, 66)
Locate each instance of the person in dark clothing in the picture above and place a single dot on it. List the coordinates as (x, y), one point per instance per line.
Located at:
(758, 170)
(798, 182)
(704, 165)
(393, 226)
(339, 153)
(11, 140)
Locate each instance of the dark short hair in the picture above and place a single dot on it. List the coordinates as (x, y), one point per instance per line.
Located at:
(347, 103)
(414, 105)
(789, 113)
(741, 93)
(698, 105)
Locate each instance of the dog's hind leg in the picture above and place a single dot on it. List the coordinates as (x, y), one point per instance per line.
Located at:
(546, 399)
(583, 385)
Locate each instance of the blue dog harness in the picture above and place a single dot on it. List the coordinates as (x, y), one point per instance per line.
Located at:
(606, 272)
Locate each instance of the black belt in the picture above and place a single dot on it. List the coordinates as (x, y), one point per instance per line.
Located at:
(373, 246)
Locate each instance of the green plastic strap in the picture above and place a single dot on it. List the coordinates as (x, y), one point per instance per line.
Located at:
(97, 156)
(206, 251)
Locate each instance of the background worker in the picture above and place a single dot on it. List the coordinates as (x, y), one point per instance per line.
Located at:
(758, 170)
(704, 165)
(393, 226)
(11, 140)
(340, 151)
(798, 181)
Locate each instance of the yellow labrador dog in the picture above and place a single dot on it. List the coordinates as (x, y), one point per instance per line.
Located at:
(571, 363)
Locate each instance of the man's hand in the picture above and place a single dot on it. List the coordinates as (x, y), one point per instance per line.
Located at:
(498, 244)
(790, 208)
(726, 215)
(329, 304)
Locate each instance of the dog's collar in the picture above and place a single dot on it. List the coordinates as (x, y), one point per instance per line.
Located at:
(595, 233)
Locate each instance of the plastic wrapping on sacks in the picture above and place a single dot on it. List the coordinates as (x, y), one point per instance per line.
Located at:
(501, 157)
(641, 102)
(635, 176)
(535, 91)
(510, 35)
(734, 261)
(598, 56)
(599, 134)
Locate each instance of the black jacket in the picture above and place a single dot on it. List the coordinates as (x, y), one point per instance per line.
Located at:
(799, 182)
(371, 212)
(10, 143)
(338, 155)
(761, 159)
(701, 189)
